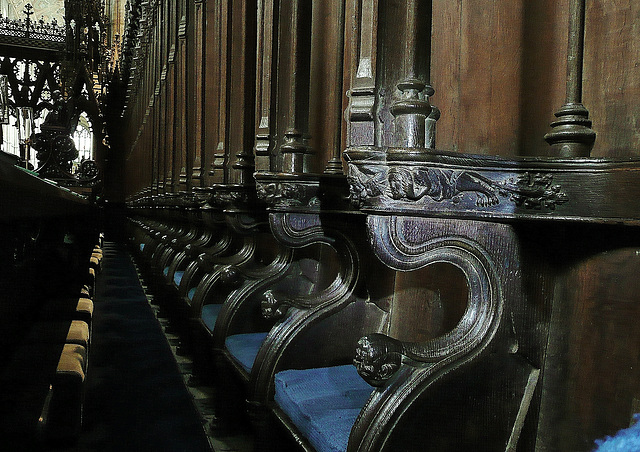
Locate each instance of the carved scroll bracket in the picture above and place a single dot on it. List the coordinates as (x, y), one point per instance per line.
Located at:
(407, 244)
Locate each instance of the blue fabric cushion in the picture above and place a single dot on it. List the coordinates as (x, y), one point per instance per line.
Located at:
(210, 314)
(191, 293)
(177, 277)
(142, 247)
(323, 403)
(165, 271)
(625, 440)
(244, 348)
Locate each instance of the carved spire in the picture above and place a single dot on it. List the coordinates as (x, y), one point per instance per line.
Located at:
(572, 135)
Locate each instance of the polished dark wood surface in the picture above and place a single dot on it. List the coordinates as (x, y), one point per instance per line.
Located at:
(479, 273)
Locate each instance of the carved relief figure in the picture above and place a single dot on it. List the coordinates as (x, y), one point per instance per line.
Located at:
(440, 185)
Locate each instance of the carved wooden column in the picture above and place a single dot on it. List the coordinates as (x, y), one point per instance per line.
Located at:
(266, 84)
(362, 127)
(169, 123)
(182, 107)
(151, 121)
(389, 96)
(171, 104)
(327, 87)
(197, 65)
(160, 130)
(293, 85)
(414, 122)
(572, 135)
(240, 124)
(216, 63)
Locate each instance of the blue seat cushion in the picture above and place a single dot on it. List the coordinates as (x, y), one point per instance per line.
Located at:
(625, 440)
(191, 293)
(142, 247)
(165, 272)
(209, 314)
(177, 277)
(323, 403)
(244, 348)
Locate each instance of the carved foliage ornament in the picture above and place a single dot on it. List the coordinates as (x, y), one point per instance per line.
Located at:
(224, 198)
(288, 194)
(527, 190)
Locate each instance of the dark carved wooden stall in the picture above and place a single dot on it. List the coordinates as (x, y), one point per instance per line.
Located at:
(369, 225)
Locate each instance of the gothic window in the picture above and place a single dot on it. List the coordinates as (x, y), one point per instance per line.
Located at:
(83, 139)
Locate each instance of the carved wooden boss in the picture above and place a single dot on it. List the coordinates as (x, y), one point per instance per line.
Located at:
(501, 378)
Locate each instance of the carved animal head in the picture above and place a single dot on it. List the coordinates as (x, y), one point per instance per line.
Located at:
(272, 308)
(377, 358)
(230, 275)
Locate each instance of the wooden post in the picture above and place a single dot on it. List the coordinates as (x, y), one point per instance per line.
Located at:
(572, 135)
(412, 109)
(295, 36)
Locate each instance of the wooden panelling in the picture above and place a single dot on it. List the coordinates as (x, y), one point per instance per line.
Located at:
(498, 72)
(590, 387)
(612, 76)
(428, 302)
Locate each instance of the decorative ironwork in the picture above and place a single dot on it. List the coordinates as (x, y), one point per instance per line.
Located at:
(29, 29)
(4, 99)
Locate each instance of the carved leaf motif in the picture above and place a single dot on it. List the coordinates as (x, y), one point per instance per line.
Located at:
(365, 182)
(536, 191)
(287, 194)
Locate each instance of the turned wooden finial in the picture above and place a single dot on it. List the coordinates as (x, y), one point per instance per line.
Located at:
(572, 135)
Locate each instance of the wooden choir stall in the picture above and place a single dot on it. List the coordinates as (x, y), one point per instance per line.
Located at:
(383, 225)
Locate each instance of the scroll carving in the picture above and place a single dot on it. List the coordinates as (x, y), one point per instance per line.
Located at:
(223, 198)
